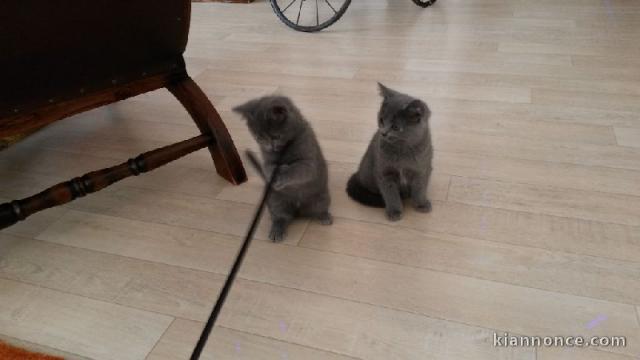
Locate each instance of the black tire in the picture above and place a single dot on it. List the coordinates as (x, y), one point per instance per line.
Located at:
(424, 3)
(336, 16)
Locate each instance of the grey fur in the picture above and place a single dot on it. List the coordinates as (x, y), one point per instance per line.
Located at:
(301, 188)
(397, 164)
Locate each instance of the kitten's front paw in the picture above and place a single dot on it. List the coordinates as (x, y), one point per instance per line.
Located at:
(281, 180)
(394, 214)
(326, 219)
(280, 183)
(424, 206)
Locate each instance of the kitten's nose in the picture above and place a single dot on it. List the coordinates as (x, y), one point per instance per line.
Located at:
(384, 133)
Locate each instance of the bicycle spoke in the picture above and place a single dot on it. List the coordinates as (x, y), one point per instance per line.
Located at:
(305, 22)
(291, 3)
(328, 3)
(299, 11)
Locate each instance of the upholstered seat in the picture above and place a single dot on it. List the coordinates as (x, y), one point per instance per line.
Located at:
(55, 50)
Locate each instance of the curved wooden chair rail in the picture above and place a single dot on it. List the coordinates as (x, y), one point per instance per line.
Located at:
(214, 135)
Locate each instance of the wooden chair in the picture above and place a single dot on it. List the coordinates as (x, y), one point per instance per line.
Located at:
(60, 58)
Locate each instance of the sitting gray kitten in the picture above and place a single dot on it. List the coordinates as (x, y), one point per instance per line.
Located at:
(301, 187)
(397, 164)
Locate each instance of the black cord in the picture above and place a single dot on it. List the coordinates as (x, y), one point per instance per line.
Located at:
(238, 262)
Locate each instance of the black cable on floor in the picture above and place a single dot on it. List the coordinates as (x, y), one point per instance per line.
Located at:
(204, 336)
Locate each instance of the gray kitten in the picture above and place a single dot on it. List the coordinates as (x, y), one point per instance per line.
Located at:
(301, 188)
(397, 164)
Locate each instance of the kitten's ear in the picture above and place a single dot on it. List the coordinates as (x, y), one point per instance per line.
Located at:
(279, 113)
(417, 110)
(385, 92)
(246, 109)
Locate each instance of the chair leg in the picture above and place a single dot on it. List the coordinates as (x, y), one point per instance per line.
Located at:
(12, 212)
(223, 151)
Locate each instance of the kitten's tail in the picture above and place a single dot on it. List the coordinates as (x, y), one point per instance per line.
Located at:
(364, 196)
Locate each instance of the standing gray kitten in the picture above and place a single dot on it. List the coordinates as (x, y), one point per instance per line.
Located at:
(397, 164)
(301, 187)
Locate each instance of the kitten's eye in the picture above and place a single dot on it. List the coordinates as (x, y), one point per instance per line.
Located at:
(276, 137)
(395, 127)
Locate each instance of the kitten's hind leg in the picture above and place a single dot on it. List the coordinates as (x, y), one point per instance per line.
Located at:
(278, 230)
(319, 209)
(282, 213)
(326, 218)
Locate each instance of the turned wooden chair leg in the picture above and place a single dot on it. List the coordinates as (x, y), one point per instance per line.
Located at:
(12, 212)
(225, 156)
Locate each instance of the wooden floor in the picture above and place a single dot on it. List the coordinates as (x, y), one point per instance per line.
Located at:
(536, 190)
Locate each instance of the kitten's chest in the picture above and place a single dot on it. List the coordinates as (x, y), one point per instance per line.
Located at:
(408, 175)
(403, 164)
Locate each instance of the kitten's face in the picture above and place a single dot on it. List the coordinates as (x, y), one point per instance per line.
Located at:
(271, 121)
(401, 117)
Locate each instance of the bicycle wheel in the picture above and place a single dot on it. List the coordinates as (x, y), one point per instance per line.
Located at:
(309, 15)
(424, 3)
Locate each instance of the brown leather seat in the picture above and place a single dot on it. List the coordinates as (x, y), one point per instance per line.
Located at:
(56, 50)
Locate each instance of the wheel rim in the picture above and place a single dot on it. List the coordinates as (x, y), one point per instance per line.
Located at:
(309, 14)
(424, 3)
